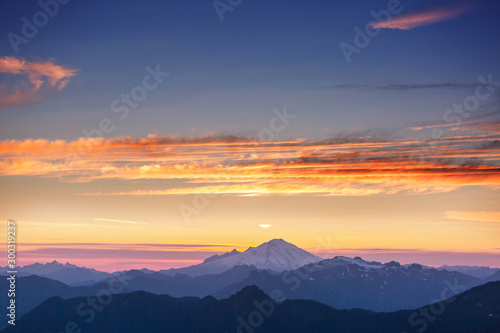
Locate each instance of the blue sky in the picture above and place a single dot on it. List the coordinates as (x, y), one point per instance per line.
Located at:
(353, 162)
(228, 76)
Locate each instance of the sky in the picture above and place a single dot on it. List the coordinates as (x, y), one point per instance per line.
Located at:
(157, 134)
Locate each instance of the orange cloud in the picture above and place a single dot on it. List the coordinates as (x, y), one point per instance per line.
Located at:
(33, 79)
(473, 216)
(243, 166)
(413, 20)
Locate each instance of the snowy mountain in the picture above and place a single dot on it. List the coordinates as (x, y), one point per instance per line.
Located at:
(276, 255)
(40, 269)
(347, 283)
(67, 273)
(342, 261)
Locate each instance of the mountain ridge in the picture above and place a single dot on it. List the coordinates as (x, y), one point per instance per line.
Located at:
(252, 310)
(75, 275)
(66, 273)
(347, 283)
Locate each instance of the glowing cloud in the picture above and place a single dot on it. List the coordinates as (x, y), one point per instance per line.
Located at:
(473, 216)
(413, 20)
(265, 226)
(246, 167)
(32, 80)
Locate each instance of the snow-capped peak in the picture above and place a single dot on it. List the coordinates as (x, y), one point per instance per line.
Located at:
(276, 255)
(341, 260)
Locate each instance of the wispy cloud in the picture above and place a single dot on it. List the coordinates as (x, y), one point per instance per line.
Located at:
(492, 127)
(162, 246)
(118, 221)
(115, 257)
(482, 121)
(31, 80)
(473, 216)
(343, 166)
(407, 86)
(361, 187)
(429, 16)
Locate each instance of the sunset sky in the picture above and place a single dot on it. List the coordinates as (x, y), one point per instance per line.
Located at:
(157, 134)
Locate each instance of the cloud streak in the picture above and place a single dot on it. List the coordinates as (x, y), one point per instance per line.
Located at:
(408, 86)
(118, 221)
(31, 80)
(473, 216)
(426, 17)
(116, 257)
(345, 166)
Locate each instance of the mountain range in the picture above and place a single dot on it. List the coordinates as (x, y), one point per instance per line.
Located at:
(251, 310)
(33, 290)
(346, 283)
(275, 266)
(67, 273)
(481, 272)
(275, 256)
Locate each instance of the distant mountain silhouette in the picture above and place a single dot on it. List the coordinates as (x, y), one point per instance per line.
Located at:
(67, 273)
(493, 277)
(480, 272)
(341, 282)
(33, 290)
(346, 283)
(251, 310)
(182, 285)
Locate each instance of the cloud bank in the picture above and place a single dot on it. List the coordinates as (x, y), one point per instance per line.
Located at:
(347, 166)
